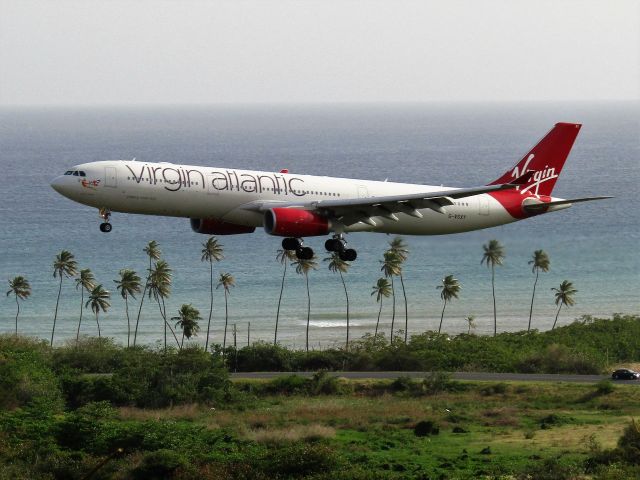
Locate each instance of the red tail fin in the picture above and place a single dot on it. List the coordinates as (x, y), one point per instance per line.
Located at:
(546, 160)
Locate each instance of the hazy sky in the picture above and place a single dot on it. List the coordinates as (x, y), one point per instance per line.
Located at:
(174, 52)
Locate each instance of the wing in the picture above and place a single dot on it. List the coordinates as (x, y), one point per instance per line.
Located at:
(353, 210)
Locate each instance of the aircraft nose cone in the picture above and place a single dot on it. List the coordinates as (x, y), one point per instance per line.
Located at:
(58, 184)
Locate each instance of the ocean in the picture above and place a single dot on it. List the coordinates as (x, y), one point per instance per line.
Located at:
(594, 245)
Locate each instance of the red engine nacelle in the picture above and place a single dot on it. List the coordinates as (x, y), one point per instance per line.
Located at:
(211, 226)
(293, 222)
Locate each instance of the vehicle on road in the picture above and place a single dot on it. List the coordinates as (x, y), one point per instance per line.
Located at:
(625, 374)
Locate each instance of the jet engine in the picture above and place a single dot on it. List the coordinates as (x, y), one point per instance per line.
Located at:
(294, 222)
(211, 226)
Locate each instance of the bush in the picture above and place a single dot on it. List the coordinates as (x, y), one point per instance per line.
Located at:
(160, 465)
(299, 460)
(604, 387)
(25, 375)
(425, 428)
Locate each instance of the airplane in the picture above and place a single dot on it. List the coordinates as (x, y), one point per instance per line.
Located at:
(228, 201)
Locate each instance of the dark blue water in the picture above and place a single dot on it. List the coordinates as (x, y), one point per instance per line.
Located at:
(594, 245)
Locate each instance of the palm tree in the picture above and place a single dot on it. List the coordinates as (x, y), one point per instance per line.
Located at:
(153, 252)
(564, 296)
(21, 289)
(400, 249)
(303, 267)
(391, 266)
(448, 291)
(226, 281)
(85, 281)
(493, 255)
(160, 288)
(98, 300)
(284, 257)
(211, 252)
(471, 321)
(128, 284)
(381, 289)
(336, 264)
(539, 261)
(187, 320)
(63, 266)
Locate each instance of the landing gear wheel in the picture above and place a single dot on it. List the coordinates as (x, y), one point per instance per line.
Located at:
(290, 243)
(304, 253)
(105, 227)
(348, 255)
(334, 245)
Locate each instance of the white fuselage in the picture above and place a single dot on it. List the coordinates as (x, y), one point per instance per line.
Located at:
(223, 193)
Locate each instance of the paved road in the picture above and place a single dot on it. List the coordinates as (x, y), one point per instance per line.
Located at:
(500, 377)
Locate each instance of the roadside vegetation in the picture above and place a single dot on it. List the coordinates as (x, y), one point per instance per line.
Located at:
(94, 409)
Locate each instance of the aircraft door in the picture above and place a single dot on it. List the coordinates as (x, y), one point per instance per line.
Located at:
(110, 177)
(362, 191)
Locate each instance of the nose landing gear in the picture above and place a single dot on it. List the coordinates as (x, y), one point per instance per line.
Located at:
(105, 226)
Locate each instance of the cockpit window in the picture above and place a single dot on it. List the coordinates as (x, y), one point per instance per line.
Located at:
(69, 172)
(75, 174)
(82, 174)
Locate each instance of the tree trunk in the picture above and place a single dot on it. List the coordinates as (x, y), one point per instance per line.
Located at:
(146, 285)
(17, 313)
(308, 309)
(275, 335)
(126, 308)
(493, 291)
(393, 310)
(532, 297)
(55, 315)
(166, 324)
(182, 339)
(442, 316)
(406, 311)
(80, 320)
(344, 285)
(226, 321)
(206, 343)
(135, 332)
(375, 335)
(557, 313)
(98, 323)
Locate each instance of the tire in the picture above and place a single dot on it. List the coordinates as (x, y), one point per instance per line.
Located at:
(348, 255)
(304, 253)
(105, 227)
(290, 243)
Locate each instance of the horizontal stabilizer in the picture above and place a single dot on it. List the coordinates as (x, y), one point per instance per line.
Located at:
(541, 207)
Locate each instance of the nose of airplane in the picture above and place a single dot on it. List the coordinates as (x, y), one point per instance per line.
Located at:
(58, 184)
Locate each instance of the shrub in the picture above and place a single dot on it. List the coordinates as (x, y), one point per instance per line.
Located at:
(297, 460)
(425, 428)
(604, 387)
(160, 465)
(25, 375)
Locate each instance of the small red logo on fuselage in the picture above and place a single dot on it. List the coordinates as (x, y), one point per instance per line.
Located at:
(90, 183)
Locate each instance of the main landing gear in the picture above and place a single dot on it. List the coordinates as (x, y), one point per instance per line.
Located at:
(105, 226)
(335, 244)
(339, 244)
